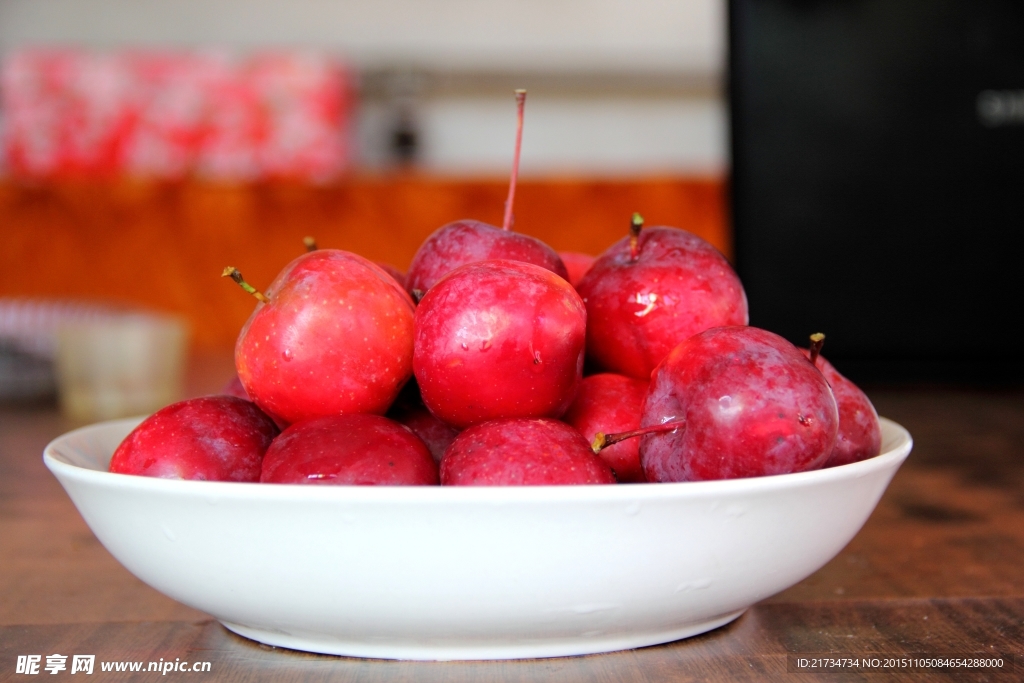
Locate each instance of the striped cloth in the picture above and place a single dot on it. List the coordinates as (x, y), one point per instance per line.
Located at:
(30, 325)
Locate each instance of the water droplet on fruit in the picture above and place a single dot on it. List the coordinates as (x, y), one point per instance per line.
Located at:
(485, 344)
(465, 346)
(287, 354)
(729, 406)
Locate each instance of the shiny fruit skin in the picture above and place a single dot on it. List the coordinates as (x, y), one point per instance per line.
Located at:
(518, 452)
(394, 272)
(611, 403)
(860, 434)
(234, 388)
(214, 438)
(499, 339)
(468, 241)
(349, 450)
(335, 338)
(408, 409)
(640, 310)
(576, 264)
(751, 405)
(436, 435)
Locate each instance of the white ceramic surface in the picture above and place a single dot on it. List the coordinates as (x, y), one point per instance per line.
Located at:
(470, 573)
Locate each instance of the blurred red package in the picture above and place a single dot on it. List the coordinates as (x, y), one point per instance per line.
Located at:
(175, 114)
(64, 112)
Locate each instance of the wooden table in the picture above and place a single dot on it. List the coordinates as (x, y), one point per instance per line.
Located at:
(938, 569)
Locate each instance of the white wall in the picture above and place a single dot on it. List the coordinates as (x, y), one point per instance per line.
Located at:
(612, 131)
(665, 35)
(604, 136)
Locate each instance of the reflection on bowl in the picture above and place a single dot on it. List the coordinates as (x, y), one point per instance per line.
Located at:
(470, 573)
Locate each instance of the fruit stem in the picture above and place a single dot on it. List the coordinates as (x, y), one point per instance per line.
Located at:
(602, 440)
(817, 341)
(310, 243)
(233, 273)
(520, 105)
(635, 226)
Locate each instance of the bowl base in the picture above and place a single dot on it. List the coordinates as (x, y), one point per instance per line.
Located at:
(419, 650)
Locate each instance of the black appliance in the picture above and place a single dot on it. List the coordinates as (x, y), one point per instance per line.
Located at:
(878, 181)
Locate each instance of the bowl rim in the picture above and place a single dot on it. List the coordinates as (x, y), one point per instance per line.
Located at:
(895, 435)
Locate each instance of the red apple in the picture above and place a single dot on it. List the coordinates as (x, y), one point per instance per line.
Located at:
(860, 434)
(393, 272)
(358, 450)
(745, 403)
(234, 388)
(436, 435)
(576, 264)
(469, 241)
(214, 438)
(334, 337)
(608, 403)
(519, 452)
(408, 409)
(499, 339)
(646, 294)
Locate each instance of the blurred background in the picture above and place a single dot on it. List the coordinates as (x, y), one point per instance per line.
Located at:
(146, 146)
(861, 161)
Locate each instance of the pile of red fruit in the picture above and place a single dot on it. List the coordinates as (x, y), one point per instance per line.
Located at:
(469, 370)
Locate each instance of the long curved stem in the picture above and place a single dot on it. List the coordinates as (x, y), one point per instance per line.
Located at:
(520, 106)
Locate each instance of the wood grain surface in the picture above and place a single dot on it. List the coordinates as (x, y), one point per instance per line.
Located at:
(937, 569)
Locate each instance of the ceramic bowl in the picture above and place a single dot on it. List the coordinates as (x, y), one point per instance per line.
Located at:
(470, 573)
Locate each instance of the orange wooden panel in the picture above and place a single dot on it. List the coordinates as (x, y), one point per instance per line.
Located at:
(163, 245)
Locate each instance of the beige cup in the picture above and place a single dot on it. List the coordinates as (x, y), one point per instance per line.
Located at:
(127, 364)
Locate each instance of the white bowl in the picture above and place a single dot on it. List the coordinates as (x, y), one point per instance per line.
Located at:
(470, 573)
